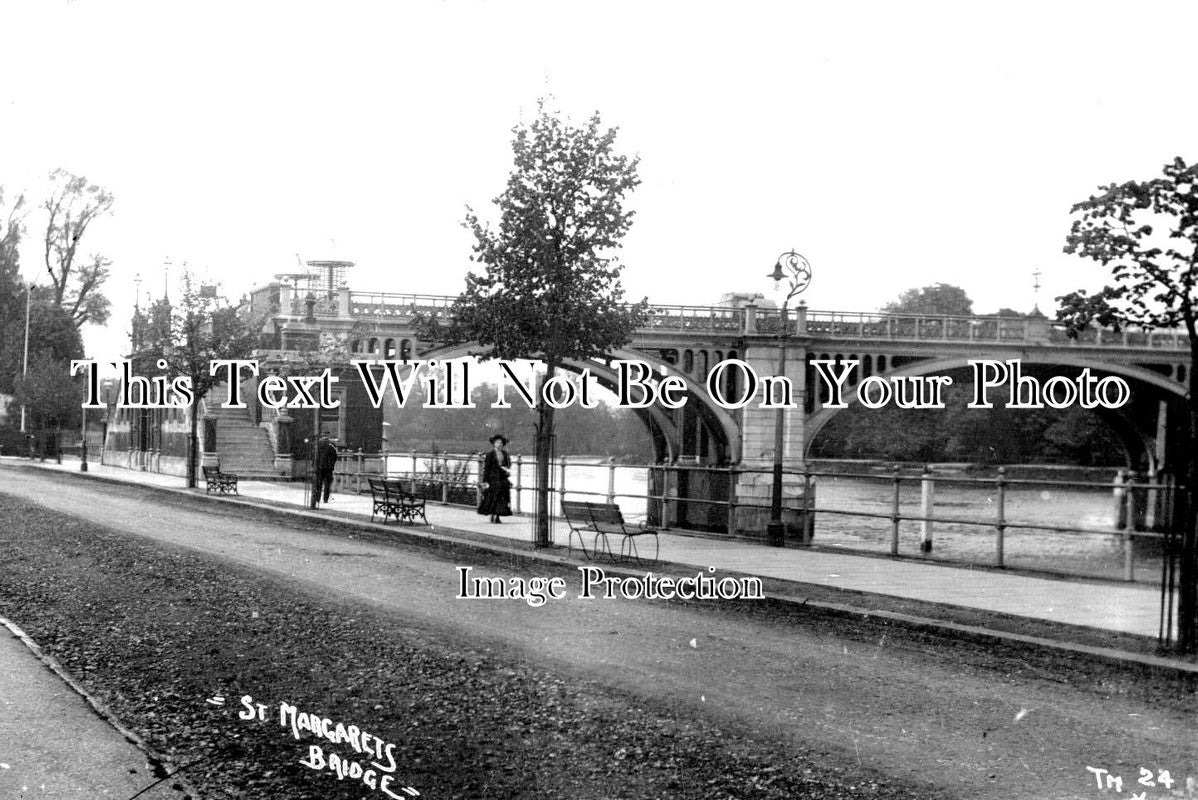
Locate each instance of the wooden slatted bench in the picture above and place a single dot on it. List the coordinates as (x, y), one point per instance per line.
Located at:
(220, 482)
(389, 499)
(602, 520)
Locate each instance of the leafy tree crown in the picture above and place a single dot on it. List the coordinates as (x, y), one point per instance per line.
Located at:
(551, 286)
(941, 298)
(1146, 233)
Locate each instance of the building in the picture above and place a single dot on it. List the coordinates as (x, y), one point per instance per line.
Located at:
(254, 441)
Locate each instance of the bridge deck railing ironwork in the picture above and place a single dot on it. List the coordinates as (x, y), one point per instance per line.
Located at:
(402, 306)
(865, 325)
(733, 321)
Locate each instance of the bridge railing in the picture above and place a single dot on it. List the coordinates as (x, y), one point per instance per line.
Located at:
(667, 317)
(1148, 338)
(399, 306)
(767, 321)
(940, 327)
(847, 324)
(707, 319)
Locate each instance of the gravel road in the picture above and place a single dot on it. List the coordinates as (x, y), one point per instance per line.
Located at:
(853, 709)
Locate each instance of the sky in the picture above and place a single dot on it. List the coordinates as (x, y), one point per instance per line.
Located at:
(895, 145)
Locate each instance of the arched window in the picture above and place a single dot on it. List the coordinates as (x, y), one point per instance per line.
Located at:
(405, 349)
(688, 362)
(373, 347)
(389, 348)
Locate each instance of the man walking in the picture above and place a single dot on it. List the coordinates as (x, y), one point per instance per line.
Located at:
(326, 460)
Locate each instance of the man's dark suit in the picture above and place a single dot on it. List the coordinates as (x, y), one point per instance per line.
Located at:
(326, 460)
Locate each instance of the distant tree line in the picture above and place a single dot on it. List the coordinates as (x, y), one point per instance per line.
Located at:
(977, 435)
(957, 433)
(601, 431)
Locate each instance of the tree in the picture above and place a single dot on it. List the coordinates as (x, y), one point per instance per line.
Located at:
(12, 291)
(1146, 234)
(51, 334)
(53, 343)
(72, 206)
(11, 229)
(942, 298)
(188, 337)
(51, 396)
(551, 290)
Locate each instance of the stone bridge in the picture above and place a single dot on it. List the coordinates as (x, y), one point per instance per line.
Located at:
(691, 340)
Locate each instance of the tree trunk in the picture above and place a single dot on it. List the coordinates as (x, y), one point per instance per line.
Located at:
(1187, 600)
(543, 447)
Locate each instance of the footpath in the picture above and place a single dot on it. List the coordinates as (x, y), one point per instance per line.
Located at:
(1103, 621)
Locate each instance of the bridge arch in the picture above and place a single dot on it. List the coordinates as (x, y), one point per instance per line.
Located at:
(1134, 442)
(1137, 446)
(661, 425)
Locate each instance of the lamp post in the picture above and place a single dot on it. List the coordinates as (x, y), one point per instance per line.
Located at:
(109, 393)
(83, 444)
(386, 439)
(795, 271)
(25, 364)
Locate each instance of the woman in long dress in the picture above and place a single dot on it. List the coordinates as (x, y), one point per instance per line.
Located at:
(497, 489)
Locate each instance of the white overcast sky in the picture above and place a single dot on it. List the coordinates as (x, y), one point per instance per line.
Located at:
(895, 144)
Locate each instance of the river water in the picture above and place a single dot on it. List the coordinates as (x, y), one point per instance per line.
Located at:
(843, 504)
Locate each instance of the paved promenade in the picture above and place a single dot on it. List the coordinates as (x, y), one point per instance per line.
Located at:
(1126, 609)
(53, 745)
(58, 747)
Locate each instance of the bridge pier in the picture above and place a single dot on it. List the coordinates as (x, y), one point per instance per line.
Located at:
(754, 486)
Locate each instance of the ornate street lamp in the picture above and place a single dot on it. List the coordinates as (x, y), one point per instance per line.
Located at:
(83, 444)
(793, 273)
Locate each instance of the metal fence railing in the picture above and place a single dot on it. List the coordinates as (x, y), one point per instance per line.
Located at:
(1116, 528)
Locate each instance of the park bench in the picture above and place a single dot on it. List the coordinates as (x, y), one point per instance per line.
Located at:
(389, 499)
(603, 520)
(220, 482)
